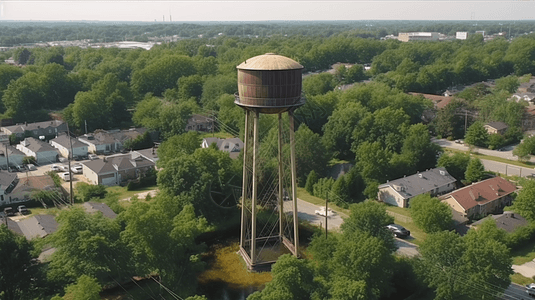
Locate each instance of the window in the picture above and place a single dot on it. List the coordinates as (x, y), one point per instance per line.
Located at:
(2, 197)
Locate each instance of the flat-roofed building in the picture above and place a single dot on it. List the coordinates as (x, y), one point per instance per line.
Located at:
(418, 36)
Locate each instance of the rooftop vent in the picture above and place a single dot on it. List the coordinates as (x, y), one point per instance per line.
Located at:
(442, 172)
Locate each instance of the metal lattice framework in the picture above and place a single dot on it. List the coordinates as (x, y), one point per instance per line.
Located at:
(270, 196)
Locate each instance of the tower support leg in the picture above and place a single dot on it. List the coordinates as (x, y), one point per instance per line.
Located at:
(281, 191)
(245, 179)
(255, 189)
(294, 184)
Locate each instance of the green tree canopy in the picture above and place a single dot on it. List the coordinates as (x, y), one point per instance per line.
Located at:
(477, 135)
(475, 170)
(430, 214)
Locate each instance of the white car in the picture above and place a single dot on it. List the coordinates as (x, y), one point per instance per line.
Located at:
(64, 168)
(321, 211)
(65, 176)
(77, 169)
(55, 168)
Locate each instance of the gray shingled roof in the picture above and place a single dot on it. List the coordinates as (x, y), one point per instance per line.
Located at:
(37, 146)
(63, 140)
(38, 226)
(92, 207)
(507, 221)
(497, 125)
(10, 151)
(6, 179)
(420, 183)
(118, 162)
(20, 128)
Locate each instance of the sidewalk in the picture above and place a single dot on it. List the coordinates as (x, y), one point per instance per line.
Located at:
(526, 270)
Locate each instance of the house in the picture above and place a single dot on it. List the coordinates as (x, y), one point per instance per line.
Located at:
(46, 129)
(11, 154)
(480, 198)
(150, 154)
(8, 181)
(123, 136)
(496, 127)
(37, 226)
(231, 145)
(399, 192)
(100, 142)
(15, 190)
(199, 123)
(508, 221)
(93, 207)
(43, 152)
(439, 102)
(64, 143)
(117, 169)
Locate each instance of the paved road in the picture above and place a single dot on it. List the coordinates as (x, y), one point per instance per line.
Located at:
(515, 292)
(507, 169)
(507, 153)
(306, 211)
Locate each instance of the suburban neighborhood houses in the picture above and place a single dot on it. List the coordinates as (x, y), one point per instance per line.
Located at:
(399, 192)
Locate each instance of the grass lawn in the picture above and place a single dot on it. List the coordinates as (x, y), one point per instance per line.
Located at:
(417, 235)
(305, 196)
(524, 254)
(399, 210)
(519, 279)
(123, 193)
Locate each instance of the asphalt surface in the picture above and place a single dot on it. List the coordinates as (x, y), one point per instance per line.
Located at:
(515, 292)
(507, 169)
(306, 211)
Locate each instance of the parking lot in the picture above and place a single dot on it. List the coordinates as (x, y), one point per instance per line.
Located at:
(43, 169)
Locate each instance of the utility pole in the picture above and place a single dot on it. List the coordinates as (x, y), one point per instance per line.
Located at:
(85, 126)
(7, 159)
(465, 120)
(69, 160)
(326, 213)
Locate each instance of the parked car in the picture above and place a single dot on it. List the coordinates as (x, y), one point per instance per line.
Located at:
(398, 230)
(21, 168)
(8, 211)
(530, 289)
(322, 212)
(31, 167)
(77, 169)
(64, 168)
(65, 176)
(55, 168)
(23, 210)
(92, 156)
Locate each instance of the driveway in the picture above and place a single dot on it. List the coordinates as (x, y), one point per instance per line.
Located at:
(526, 270)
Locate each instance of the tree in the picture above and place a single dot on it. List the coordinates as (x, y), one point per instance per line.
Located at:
(87, 192)
(442, 264)
(292, 279)
(178, 145)
(86, 288)
(370, 217)
(87, 245)
(28, 160)
(524, 203)
(310, 154)
(319, 84)
(475, 170)
(311, 180)
(161, 237)
(430, 214)
(17, 266)
(525, 148)
(418, 148)
(477, 135)
(509, 84)
(373, 161)
(455, 164)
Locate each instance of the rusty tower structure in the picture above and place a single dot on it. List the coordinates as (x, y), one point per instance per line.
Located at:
(268, 84)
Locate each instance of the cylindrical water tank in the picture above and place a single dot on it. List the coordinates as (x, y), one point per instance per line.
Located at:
(270, 83)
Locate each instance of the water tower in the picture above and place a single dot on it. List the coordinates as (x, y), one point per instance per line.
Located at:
(268, 84)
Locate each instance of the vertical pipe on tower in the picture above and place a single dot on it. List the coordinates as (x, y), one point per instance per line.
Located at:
(294, 187)
(255, 188)
(281, 196)
(245, 183)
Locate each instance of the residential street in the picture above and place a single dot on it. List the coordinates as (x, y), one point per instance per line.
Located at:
(306, 212)
(507, 169)
(507, 153)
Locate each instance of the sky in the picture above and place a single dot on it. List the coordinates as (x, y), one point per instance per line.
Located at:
(263, 10)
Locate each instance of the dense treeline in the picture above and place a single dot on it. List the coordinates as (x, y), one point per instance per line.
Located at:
(374, 125)
(17, 33)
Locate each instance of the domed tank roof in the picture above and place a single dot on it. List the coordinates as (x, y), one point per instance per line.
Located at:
(269, 61)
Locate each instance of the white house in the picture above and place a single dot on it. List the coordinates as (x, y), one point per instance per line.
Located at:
(100, 142)
(63, 145)
(43, 152)
(114, 170)
(399, 192)
(231, 145)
